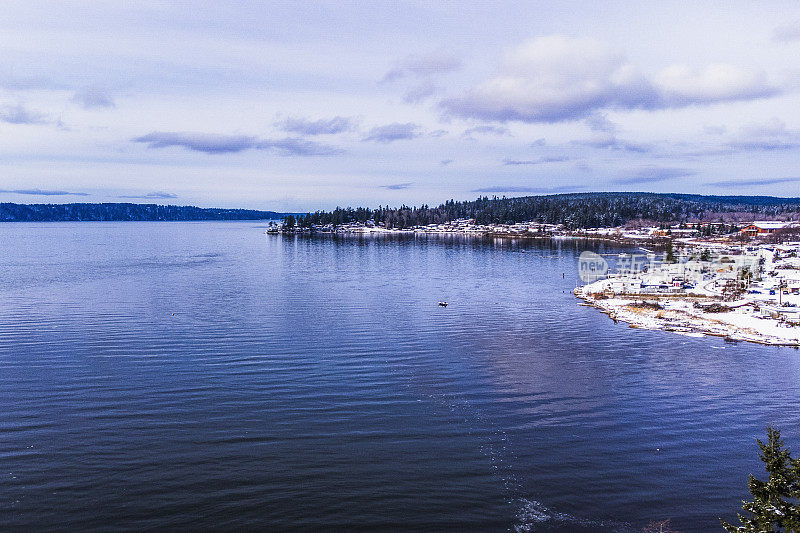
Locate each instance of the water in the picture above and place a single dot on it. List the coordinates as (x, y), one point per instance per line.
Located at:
(196, 375)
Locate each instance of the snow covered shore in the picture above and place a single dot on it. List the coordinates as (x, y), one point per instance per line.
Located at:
(681, 315)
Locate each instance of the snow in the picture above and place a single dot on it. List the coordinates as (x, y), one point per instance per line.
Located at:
(756, 316)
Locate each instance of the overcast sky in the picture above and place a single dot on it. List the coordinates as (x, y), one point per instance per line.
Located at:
(297, 106)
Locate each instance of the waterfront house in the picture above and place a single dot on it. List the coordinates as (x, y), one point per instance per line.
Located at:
(762, 227)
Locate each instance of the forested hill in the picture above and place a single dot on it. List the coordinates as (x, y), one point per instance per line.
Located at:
(577, 210)
(123, 212)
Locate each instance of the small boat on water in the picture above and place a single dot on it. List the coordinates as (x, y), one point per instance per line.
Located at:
(442, 304)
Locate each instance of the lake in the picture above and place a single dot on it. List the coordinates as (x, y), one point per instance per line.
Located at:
(197, 375)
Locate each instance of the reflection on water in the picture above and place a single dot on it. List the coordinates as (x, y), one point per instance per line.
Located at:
(184, 375)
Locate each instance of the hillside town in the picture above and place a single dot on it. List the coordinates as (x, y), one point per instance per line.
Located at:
(740, 291)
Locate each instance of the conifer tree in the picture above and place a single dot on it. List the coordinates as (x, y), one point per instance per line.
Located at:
(775, 505)
(670, 258)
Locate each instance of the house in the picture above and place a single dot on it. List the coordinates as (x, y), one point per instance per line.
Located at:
(673, 232)
(762, 227)
(788, 314)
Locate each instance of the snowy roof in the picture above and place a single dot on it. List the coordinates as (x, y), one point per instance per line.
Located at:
(770, 224)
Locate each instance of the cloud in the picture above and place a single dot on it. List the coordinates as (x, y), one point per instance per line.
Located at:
(709, 152)
(423, 66)
(604, 135)
(329, 126)
(768, 136)
(539, 161)
(152, 195)
(535, 190)
(40, 192)
(300, 147)
(600, 122)
(397, 186)
(711, 129)
(774, 127)
(554, 79)
(393, 132)
(680, 86)
(420, 93)
(765, 145)
(500, 131)
(753, 182)
(20, 115)
(611, 142)
(14, 83)
(787, 33)
(654, 175)
(211, 143)
(93, 97)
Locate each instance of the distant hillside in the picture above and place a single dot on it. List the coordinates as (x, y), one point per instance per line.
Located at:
(123, 212)
(576, 210)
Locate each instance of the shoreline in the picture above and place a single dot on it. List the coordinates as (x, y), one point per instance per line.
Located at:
(640, 312)
(619, 240)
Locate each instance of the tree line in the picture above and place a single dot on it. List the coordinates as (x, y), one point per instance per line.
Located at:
(10, 212)
(575, 211)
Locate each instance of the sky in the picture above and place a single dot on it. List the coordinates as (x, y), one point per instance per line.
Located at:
(298, 106)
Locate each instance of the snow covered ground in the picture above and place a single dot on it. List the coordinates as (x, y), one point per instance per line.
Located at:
(680, 315)
(755, 315)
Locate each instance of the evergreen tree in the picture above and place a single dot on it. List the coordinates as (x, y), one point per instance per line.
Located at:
(670, 253)
(746, 275)
(775, 504)
(289, 222)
